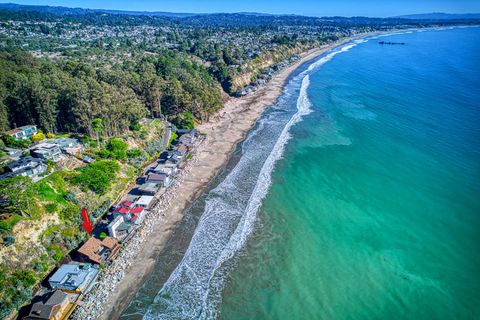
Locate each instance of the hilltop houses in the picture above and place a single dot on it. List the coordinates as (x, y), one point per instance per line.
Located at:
(67, 145)
(23, 133)
(46, 151)
(26, 167)
(34, 165)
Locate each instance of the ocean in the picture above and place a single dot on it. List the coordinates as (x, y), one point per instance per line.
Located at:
(356, 196)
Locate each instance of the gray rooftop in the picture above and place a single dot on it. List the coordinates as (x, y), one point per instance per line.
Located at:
(72, 275)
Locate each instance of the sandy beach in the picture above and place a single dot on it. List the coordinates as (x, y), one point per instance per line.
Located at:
(120, 280)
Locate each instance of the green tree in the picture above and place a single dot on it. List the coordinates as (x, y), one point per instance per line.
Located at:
(16, 196)
(118, 148)
(97, 127)
(97, 176)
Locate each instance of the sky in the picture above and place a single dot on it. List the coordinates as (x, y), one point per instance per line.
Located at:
(371, 8)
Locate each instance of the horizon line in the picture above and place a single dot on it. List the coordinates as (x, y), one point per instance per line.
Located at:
(232, 12)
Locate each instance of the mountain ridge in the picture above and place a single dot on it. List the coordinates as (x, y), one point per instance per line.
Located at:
(62, 10)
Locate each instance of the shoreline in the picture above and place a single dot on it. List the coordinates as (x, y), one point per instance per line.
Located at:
(120, 281)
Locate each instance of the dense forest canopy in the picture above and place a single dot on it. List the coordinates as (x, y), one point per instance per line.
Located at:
(60, 68)
(66, 96)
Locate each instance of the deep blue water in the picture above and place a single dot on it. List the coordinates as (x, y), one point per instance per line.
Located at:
(356, 196)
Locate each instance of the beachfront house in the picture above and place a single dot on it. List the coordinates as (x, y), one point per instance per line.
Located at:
(113, 226)
(148, 189)
(160, 179)
(58, 305)
(26, 167)
(74, 277)
(23, 133)
(188, 137)
(46, 151)
(98, 251)
(146, 202)
(130, 212)
(180, 151)
(163, 168)
(137, 214)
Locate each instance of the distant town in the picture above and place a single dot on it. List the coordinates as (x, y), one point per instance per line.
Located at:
(99, 115)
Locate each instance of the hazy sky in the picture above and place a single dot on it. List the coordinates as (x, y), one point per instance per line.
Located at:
(378, 8)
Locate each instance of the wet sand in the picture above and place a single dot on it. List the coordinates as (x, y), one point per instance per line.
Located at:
(223, 132)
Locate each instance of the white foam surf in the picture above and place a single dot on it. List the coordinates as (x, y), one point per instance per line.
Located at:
(330, 56)
(194, 289)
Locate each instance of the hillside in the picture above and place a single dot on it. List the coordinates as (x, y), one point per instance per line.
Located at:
(40, 222)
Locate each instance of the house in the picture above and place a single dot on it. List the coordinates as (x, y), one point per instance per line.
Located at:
(145, 202)
(67, 145)
(161, 179)
(163, 168)
(170, 157)
(23, 133)
(188, 137)
(191, 132)
(180, 150)
(74, 277)
(13, 152)
(46, 151)
(133, 215)
(126, 204)
(98, 251)
(88, 159)
(125, 230)
(148, 189)
(126, 221)
(137, 214)
(113, 226)
(25, 166)
(172, 166)
(59, 305)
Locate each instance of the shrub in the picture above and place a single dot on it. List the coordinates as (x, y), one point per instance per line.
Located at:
(118, 148)
(173, 136)
(14, 143)
(39, 136)
(115, 144)
(133, 153)
(104, 154)
(70, 196)
(56, 251)
(102, 235)
(135, 126)
(8, 240)
(97, 176)
(50, 135)
(100, 211)
(25, 277)
(119, 154)
(70, 213)
(184, 121)
(7, 225)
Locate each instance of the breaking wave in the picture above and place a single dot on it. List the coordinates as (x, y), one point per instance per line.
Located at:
(194, 289)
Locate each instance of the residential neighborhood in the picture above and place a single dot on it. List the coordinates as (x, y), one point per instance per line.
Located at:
(77, 275)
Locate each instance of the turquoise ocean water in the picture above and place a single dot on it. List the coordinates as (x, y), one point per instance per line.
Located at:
(357, 196)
